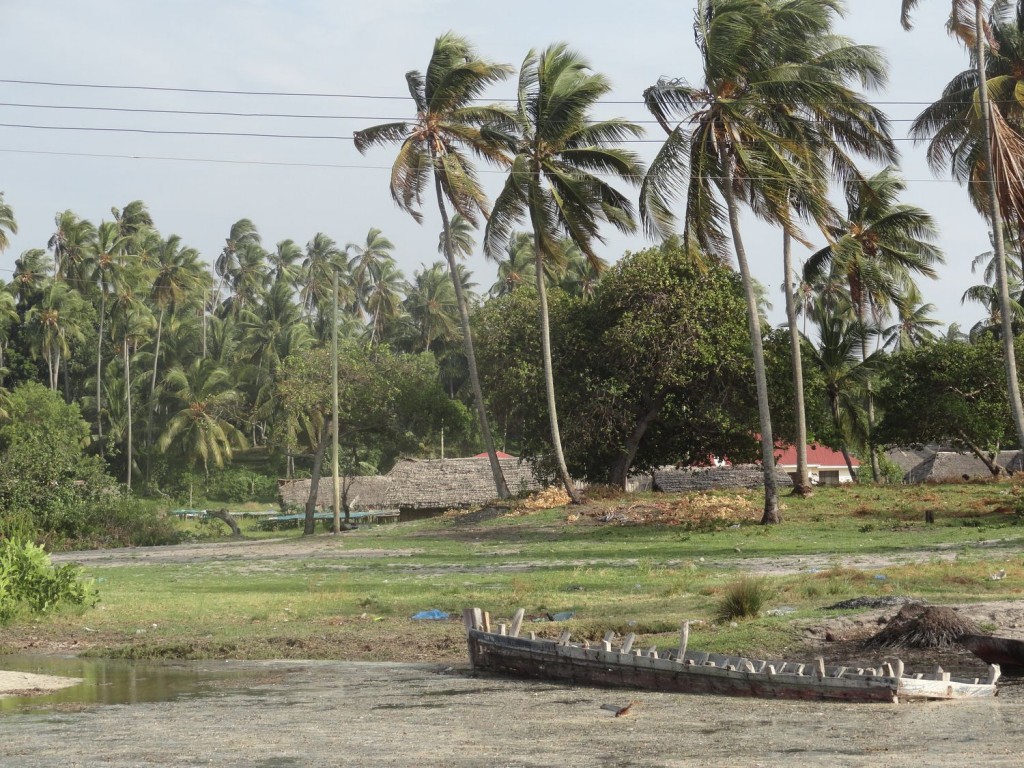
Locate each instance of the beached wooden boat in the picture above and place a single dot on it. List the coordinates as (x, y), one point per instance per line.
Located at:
(614, 662)
(1007, 652)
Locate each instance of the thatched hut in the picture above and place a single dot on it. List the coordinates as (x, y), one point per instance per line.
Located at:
(422, 487)
(362, 493)
(952, 466)
(687, 479)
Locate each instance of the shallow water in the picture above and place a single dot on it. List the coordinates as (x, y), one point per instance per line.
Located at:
(116, 681)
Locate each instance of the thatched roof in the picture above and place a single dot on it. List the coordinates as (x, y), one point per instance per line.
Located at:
(909, 457)
(447, 483)
(681, 480)
(363, 492)
(946, 466)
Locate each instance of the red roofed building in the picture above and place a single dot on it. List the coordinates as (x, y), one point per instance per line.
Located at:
(826, 467)
(500, 455)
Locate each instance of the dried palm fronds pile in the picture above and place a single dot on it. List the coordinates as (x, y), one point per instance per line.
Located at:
(692, 509)
(922, 626)
(546, 499)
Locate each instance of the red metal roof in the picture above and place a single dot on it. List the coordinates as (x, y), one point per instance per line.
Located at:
(818, 455)
(501, 455)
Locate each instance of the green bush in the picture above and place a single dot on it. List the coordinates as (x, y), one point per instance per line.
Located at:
(235, 485)
(29, 582)
(743, 599)
(118, 520)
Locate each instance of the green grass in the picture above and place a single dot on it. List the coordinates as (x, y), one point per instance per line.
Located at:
(644, 579)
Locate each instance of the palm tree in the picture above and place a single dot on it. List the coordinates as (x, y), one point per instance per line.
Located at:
(53, 324)
(747, 134)
(562, 160)
(285, 261)
(31, 271)
(980, 144)
(70, 245)
(846, 375)
(518, 266)
(200, 429)
(132, 219)
(431, 304)
(367, 258)
(914, 324)
(242, 231)
(384, 301)
(880, 246)
(7, 223)
(178, 273)
(323, 257)
(448, 122)
(107, 258)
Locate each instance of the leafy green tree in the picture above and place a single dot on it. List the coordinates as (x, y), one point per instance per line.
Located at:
(435, 144)
(980, 144)
(46, 477)
(559, 178)
(950, 392)
(652, 370)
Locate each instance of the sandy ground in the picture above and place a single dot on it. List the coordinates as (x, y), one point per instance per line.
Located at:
(345, 713)
(28, 684)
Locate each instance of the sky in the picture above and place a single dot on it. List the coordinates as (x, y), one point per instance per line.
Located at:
(196, 186)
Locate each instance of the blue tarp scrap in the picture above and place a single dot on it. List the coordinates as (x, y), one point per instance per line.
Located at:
(432, 615)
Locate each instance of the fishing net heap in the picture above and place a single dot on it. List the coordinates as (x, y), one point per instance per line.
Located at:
(922, 626)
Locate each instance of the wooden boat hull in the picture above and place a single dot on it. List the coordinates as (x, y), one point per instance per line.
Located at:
(547, 660)
(1004, 651)
(505, 652)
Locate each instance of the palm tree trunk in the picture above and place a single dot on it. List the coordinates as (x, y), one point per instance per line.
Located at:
(128, 400)
(999, 245)
(549, 375)
(309, 524)
(876, 470)
(99, 371)
(802, 483)
(156, 354)
(467, 344)
(772, 513)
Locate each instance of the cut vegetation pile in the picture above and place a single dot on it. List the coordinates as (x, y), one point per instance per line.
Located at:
(695, 509)
(922, 626)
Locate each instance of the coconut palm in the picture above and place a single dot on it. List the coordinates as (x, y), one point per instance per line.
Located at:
(286, 261)
(200, 429)
(432, 307)
(434, 144)
(747, 133)
(242, 231)
(384, 300)
(53, 324)
(31, 272)
(913, 326)
(323, 257)
(880, 246)
(109, 248)
(132, 219)
(560, 179)
(367, 258)
(179, 273)
(70, 245)
(518, 266)
(7, 223)
(981, 144)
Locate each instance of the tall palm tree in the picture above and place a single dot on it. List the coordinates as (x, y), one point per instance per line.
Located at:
(109, 246)
(447, 125)
(7, 223)
(384, 300)
(323, 257)
(70, 244)
(913, 326)
(242, 231)
(743, 135)
(880, 246)
(518, 266)
(997, 158)
(563, 160)
(200, 430)
(286, 261)
(178, 273)
(367, 259)
(132, 219)
(846, 375)
(431, 304)
(53, 324)
(31, 272)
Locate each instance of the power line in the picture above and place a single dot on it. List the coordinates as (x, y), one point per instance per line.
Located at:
(253, 134)
(338, 166)
(321, 95)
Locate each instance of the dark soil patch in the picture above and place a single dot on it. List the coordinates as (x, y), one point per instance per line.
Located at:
(921, 626)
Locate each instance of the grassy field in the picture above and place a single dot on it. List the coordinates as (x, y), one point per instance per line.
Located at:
(640, 563)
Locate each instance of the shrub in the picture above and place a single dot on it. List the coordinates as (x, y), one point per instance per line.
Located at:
(29, 582)
(743, 599)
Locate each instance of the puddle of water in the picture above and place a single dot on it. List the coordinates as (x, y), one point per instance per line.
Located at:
(116, 681)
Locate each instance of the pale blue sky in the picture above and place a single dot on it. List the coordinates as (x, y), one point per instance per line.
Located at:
(361, 48)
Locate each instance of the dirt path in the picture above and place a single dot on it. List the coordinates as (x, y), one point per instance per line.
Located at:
(331, 548)
(314, 714)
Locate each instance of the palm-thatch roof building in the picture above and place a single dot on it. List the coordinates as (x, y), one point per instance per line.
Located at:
(952, 466)
(431, 485)
(686, 479)
(362, 493)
